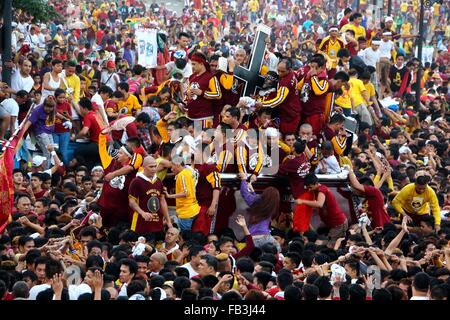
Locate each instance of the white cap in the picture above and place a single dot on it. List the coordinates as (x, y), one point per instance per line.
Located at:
(38, 160)
(404, 149)
(137, 296)
(389, 18)
(271, 132)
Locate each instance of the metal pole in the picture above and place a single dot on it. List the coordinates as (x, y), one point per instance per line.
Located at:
(419, 53)
(389, 8)
(7, 31)
(357, 5)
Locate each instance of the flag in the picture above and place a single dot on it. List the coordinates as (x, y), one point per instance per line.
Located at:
(302, 214)
(6, 181)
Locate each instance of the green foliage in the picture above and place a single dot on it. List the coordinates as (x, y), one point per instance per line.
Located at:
(41, 10)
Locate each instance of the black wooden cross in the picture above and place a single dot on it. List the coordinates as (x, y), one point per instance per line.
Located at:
(250, 75)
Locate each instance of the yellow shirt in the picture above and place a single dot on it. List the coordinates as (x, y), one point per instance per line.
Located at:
(406, 29)
(331, 48)
(186, 207)
(370, 89)
(253, 5)
(359, 30)
(404, 7)
(409, 201)
(72, 82)
(356, 89)
(344, 100)
(436, 7)
(131, 104)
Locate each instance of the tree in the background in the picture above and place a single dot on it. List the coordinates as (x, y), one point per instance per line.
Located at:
(40, 10)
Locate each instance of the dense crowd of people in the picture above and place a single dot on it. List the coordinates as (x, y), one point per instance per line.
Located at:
(120, 185)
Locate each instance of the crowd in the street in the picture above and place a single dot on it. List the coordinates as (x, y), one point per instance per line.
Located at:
(339, 185)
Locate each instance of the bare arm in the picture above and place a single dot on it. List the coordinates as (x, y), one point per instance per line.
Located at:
(314, 204)
(396, 241)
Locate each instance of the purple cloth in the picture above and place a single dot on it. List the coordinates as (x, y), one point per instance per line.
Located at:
(42, 122)
(249, 197)
(262, 227)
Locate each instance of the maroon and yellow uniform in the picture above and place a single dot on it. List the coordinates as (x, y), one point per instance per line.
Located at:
(288, 99)
(148, 193)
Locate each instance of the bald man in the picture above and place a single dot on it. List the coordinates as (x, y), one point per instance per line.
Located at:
(147, 200)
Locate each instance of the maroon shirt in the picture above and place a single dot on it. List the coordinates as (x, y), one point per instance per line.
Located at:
(290, 107)
(375, 206)
(90, 121)
(115, 199)
(147, 193)
(296, 169)
(66, 110)
(208, 181)
(201, 107)
(233, 95)
(331, 213)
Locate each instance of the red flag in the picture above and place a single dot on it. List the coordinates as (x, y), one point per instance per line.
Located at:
(303, 213)
(6, 181)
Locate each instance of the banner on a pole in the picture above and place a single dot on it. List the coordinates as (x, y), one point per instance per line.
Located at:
(147, 47)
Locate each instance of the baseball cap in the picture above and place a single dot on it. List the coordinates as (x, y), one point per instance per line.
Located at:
(110, 64)
(389, 19)
(38, 160)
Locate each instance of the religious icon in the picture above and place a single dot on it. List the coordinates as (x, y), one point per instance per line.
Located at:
(153, 204)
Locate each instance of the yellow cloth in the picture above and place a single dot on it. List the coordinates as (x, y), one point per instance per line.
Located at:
(406, 29)
(253, 5)
(359, 31)
(161, 174)
(404, 7)
(132, 104)
(344, 100)
(73, 82)
(370, 89)
(409, 201)
(356, 89)
(186, 207)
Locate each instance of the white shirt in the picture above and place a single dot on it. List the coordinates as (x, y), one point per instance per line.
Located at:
(192, 272)
(386, 49)
(110, 80)
(123, 291)
(419, 298)
(370, 57)
(77, 290)
(11, 106)
(33, 40)
(331, 164)
(37, 289)
(20, 83)
(98, 100)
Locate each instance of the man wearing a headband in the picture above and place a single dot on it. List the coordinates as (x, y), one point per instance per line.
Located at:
(330, 46)
(113, 200)
(386, 49)
(202, 88)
